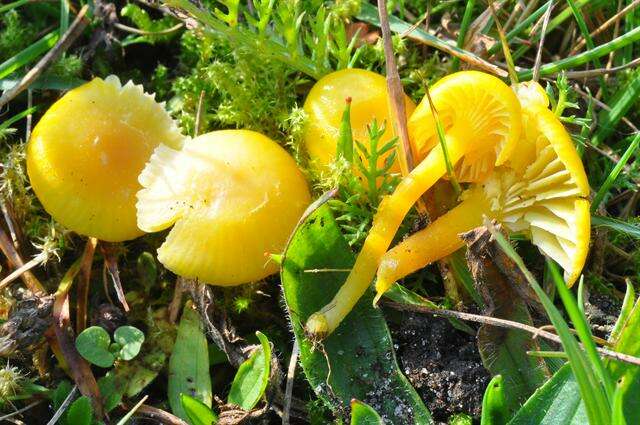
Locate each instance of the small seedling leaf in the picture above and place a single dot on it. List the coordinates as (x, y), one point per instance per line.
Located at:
(494, 404)
(111, 389)
(80, 412)
(93, 344)
(197, 412)
(363, 414)
(252, 377)
(130, 340)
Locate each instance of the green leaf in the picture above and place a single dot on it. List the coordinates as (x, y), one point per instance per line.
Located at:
(80, 412)
(628, 375)
(494, 404)
(189, 363)
(60, 393)
(29, 54)
(130, 339)
(363, 414)
(111, 389)
(345, 138)
(93, 344)
(252, 377)
(558, 401)
(360, 350)
(197, 412)
(630, 229)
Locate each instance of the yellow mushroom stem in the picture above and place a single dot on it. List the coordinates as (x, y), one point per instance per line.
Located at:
(436, 241)
(386, 222)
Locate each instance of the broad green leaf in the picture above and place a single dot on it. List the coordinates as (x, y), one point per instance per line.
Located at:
(252, 377)
(130, 340)
(189, 363)
(494, 404)
(363, 414)
(80, 412)
(360, 350)
(197, 412)
(93, 344)
(556, 402)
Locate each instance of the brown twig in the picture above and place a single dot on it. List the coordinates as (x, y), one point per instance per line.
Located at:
(138, 31)
(502, 323)
(590, 73)
(74, 31)
(396, 93)
(30, 281)
(160, 415)
(110, 253)
(538, 62)
(288, 392)
(82, 290)
(78, 367)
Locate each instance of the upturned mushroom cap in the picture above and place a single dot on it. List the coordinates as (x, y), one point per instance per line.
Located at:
(85, 155)
(326, 101)
(479, 109)
(545, 192)
(233, 196)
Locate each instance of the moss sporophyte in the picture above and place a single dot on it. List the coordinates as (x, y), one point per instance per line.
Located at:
(541, 191)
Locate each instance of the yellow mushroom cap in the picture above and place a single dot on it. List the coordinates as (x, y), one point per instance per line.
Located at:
(545, 190)
(480, 110)
(233, 196)
(85, 155)
(325, 104)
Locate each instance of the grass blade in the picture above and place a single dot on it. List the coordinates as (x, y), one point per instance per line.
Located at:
(464, 27)
(582, 58)
(29, 54)
(620, 104)
(630, 229)
(615, 172)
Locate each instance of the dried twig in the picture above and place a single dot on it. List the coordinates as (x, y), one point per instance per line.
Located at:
(396, 93)
(590, 73)
(63, 44)
(502, 323)
(138, 31)
(160, 415)
(288, 392)
(82, 289)
(15, 261)
(545, 23)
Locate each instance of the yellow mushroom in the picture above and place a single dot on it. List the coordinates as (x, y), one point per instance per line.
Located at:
(324, 106)
(85, 155)
(233, 196)
(482, 121)
(541, 192)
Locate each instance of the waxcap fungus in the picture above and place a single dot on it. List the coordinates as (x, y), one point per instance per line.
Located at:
(86, 152)
(541, 192)
(231, 196)
(326, 101)
(482, 120)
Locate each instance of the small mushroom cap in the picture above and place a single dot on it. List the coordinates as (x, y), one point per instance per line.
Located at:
(545, 190)
(479, 108)
(85, 155)
(233, 196)
(325, 104)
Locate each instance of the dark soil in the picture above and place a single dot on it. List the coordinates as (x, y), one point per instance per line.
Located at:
(443, 364)
(602, 312)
